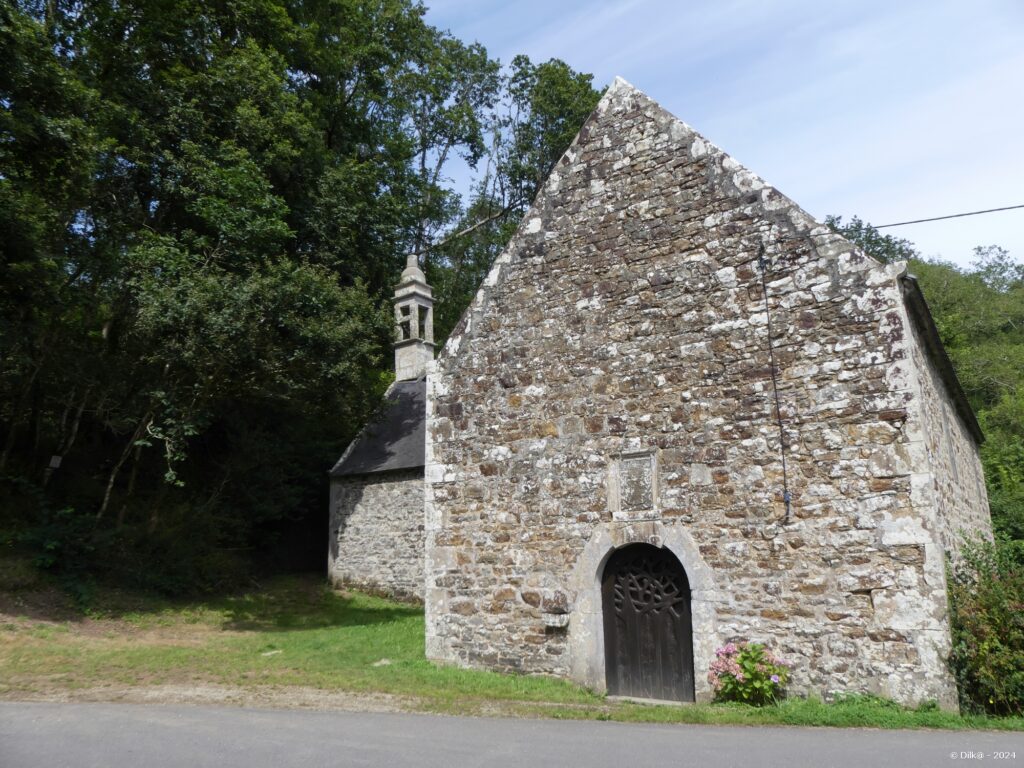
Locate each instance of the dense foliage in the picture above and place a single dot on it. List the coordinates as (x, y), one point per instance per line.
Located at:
(203, 209)
(987, 601)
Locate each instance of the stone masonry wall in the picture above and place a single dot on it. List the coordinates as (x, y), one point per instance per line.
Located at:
(957, 479)
(620, 343)
(376, 533)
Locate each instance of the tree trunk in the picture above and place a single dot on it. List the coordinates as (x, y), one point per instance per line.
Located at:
(67, 440)
(23, 398)
(146, 420)
(154, 512)
(131, 486)
(34, 418)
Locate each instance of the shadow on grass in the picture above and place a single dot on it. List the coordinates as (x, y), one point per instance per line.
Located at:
(309, 606)
(280, 604)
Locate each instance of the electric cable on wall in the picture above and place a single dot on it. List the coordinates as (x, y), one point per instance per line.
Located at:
(786, 498)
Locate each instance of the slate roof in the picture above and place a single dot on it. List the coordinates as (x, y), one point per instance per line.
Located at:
(396, 439)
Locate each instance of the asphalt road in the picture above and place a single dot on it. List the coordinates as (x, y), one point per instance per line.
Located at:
(36, 735)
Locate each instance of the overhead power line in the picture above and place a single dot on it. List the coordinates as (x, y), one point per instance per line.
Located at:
(951, 216)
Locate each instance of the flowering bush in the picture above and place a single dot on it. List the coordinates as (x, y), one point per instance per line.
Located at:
(748, 672)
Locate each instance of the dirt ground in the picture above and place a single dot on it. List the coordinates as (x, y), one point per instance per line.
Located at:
(290, 697)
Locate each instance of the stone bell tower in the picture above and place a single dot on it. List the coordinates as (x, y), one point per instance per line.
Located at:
(414, 322)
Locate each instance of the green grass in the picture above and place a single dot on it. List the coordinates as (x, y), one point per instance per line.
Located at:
(296, 634)
(861, 712)
(287, 635)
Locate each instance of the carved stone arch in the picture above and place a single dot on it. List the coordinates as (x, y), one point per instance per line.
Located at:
(586, 627)
(648, 633)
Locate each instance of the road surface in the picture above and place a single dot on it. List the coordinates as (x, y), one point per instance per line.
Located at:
(34, 735)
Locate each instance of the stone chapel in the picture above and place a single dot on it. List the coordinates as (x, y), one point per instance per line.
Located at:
(679, 412)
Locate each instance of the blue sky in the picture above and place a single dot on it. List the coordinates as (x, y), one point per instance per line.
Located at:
(888, 110)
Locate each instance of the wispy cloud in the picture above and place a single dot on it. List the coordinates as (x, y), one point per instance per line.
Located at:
(884, 109)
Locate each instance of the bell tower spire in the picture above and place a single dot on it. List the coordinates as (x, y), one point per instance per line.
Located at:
(414, 322)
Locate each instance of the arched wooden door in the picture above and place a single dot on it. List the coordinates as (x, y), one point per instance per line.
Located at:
(648, 628)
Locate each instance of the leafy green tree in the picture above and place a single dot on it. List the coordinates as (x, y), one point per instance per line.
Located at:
(204, 209)
(997, 270)
(546, 105)
(47, 153)
(980, 326)
(459, 265)
(1003, 456)
(985, 594)
(450, 97)
(885, 248)
(549, 103)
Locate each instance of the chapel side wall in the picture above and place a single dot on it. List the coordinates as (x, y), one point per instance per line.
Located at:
(628, 316)
(376, 533)
(958, 479)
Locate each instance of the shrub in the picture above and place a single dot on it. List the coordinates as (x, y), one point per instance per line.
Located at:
(187, 554)
(986, 596)
(749, 673)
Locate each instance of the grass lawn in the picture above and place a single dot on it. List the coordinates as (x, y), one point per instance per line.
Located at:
(294, 635)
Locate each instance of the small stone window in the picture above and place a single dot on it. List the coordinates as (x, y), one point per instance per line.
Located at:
(423, 324)
(404, 324)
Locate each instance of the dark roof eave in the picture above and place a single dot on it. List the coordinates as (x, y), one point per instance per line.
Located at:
(395, 439)
(921, 316)
(373, 472)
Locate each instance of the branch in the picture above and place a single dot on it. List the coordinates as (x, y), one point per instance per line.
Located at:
(476, 225)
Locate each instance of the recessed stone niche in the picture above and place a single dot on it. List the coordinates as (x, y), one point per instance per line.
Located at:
(633, 485)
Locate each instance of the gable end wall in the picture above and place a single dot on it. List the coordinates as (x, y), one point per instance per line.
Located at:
(628, 316)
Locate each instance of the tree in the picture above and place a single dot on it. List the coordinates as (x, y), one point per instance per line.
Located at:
(996, 269)
(545, 107)
(204, 209)
(548, 104)
(885, 248)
